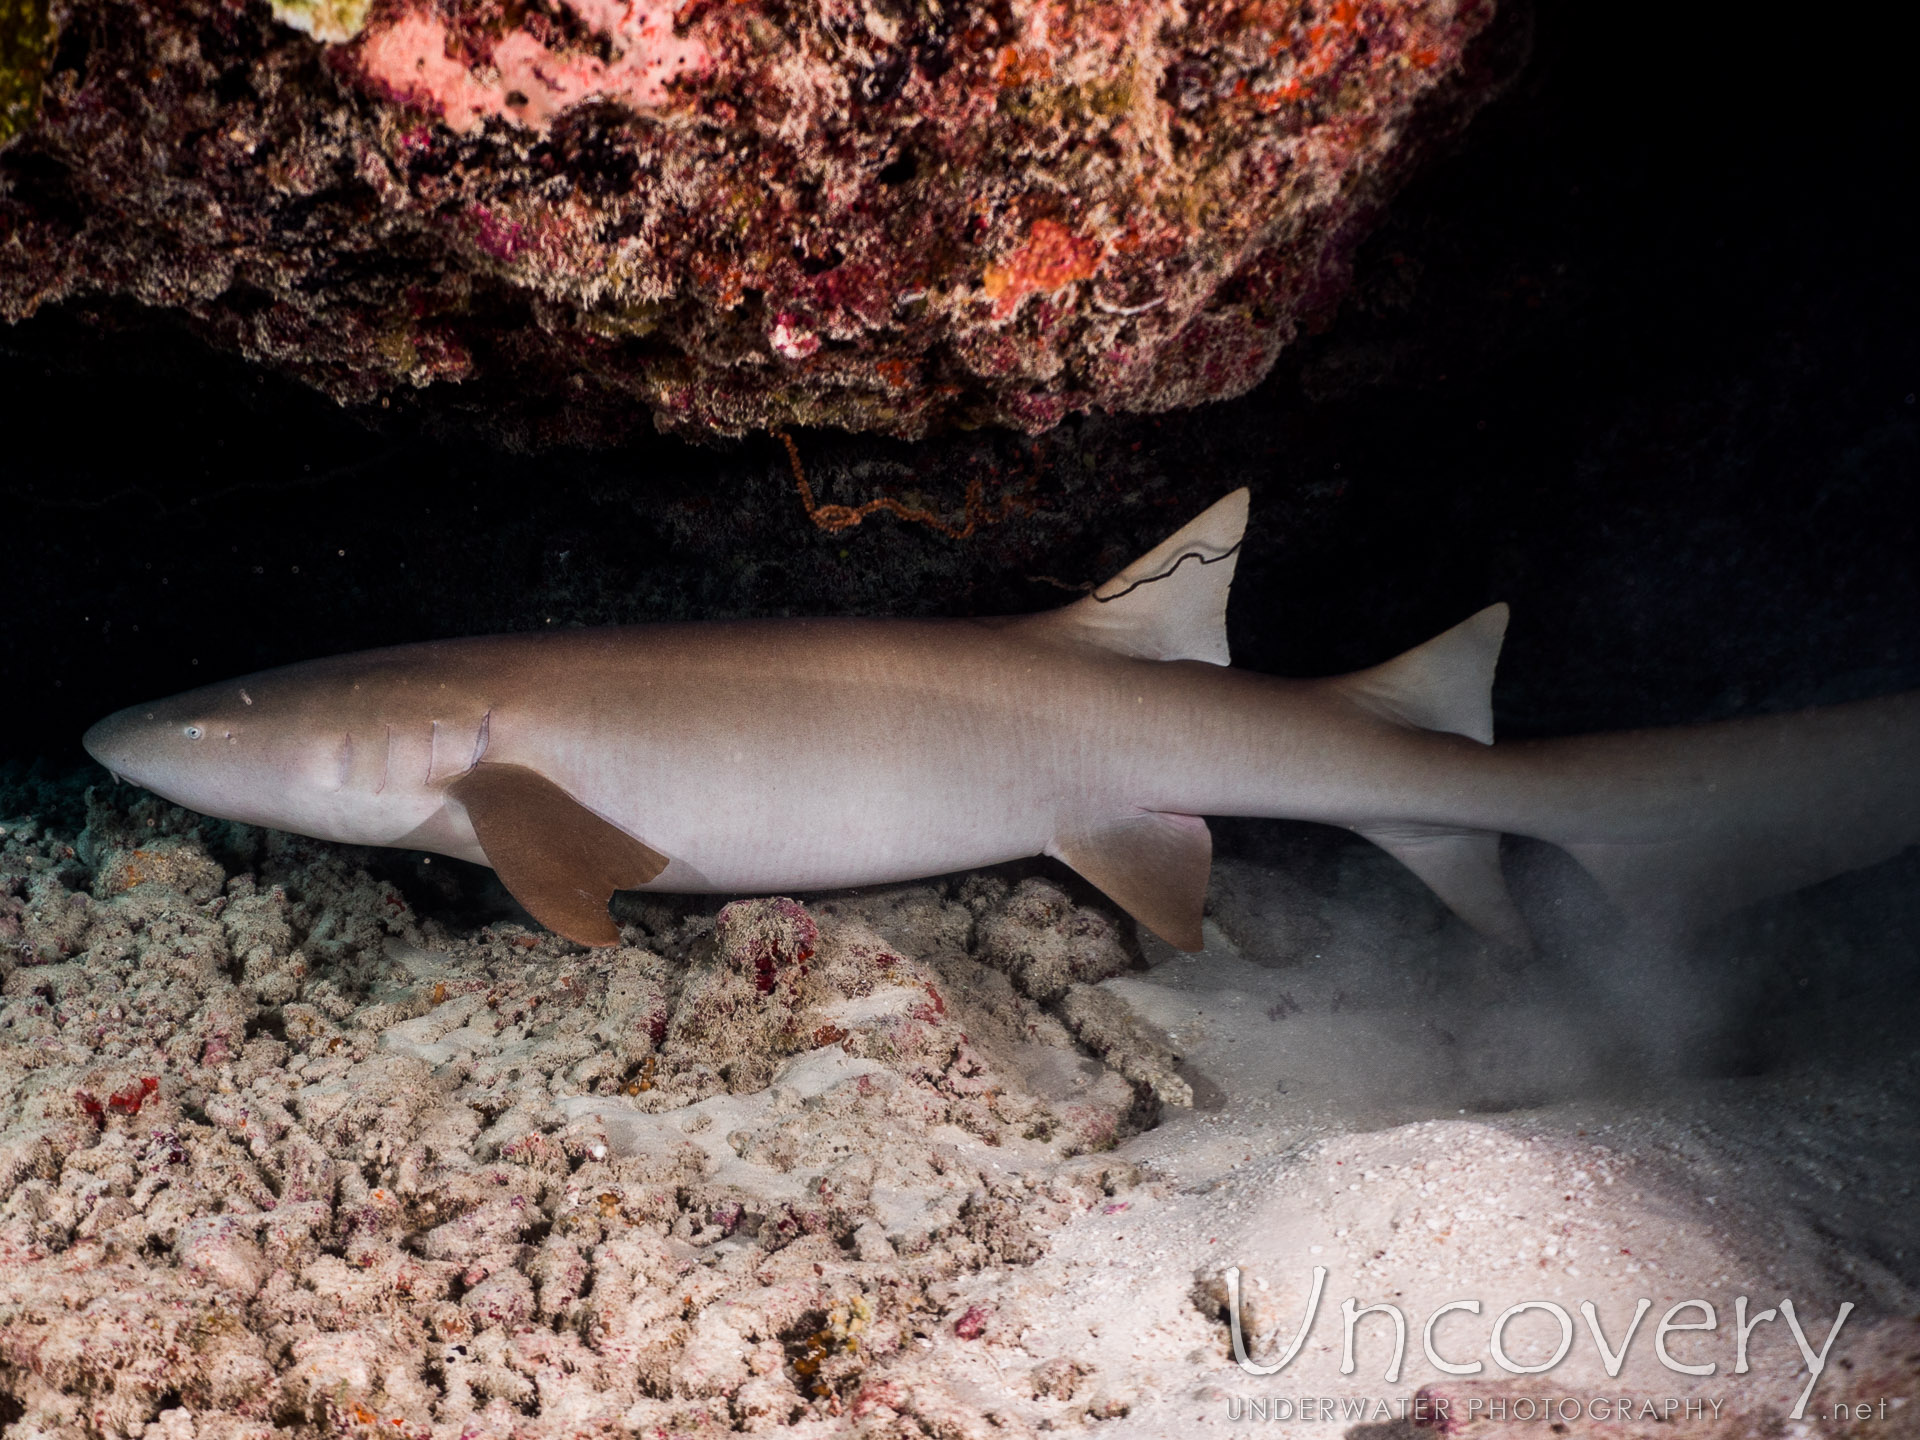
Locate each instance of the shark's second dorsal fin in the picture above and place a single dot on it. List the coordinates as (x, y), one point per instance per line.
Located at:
(1445, 684)
(1171, 603)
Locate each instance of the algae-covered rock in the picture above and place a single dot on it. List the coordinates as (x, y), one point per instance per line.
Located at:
(27, 37)
(896, 216)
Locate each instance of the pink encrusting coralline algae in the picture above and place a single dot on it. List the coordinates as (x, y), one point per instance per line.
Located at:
(520, 77)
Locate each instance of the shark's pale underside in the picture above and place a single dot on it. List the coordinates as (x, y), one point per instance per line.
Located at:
(816, 754)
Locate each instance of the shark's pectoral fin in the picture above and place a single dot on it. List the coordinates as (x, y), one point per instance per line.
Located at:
(560, 860)
(1154, 866)
(1462, 867)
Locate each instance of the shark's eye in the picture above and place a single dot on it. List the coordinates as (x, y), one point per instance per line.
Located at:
(194, 732)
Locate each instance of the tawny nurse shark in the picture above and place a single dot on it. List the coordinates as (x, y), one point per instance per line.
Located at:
(816, 754)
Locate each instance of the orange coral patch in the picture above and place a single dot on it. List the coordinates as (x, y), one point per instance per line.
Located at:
(1053, 258)
(1014, 67)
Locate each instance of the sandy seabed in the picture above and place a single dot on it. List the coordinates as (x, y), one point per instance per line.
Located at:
(960, 1159)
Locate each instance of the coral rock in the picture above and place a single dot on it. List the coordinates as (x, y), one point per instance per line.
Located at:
(1047, 943)
(412, 1212)
(505, 1300)
(893, 216)
(220, 1248)
(739, 1013)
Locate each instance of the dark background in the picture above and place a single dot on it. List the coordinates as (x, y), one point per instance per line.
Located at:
(1637, 354)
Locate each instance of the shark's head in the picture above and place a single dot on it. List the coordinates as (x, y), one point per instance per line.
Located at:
(306, 748)
(219, 749)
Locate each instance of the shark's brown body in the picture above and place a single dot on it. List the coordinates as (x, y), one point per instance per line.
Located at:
(805, 755)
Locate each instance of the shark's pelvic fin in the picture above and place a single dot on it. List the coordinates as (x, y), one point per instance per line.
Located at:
(1462, 867)
(1171, 603)
(1445, 684)
(558, 858)
(1153, 866)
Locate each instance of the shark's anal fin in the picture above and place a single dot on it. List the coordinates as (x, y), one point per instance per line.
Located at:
(1462, 867)
(1154, 866)
(558, 858)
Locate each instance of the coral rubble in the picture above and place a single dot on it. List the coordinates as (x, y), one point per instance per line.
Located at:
(281, 1154)
(276, 1154)
(893, 216)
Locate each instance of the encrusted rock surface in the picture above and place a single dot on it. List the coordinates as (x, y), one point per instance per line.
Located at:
(894, 215)
(275, 1155)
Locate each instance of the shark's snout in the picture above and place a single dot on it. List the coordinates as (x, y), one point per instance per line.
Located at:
(109, 741)
(135, 745)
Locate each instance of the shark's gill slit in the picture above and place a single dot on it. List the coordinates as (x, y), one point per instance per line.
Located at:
(386, 764)
(480, 739)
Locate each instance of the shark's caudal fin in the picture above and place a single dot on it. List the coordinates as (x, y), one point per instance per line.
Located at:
(1447, 685)
(1683, 825)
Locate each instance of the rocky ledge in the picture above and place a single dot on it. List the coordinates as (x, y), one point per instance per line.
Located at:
(888, 215)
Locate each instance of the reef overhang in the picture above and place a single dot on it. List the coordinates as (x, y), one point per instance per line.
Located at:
(897, 216)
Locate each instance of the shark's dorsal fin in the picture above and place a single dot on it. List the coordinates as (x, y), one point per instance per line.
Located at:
(1171, 603)
(1154, 866)
(1445, 684)
(558, 858)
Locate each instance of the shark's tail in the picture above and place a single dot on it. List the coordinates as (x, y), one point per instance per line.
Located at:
(1677, 825)
(1682, 825)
